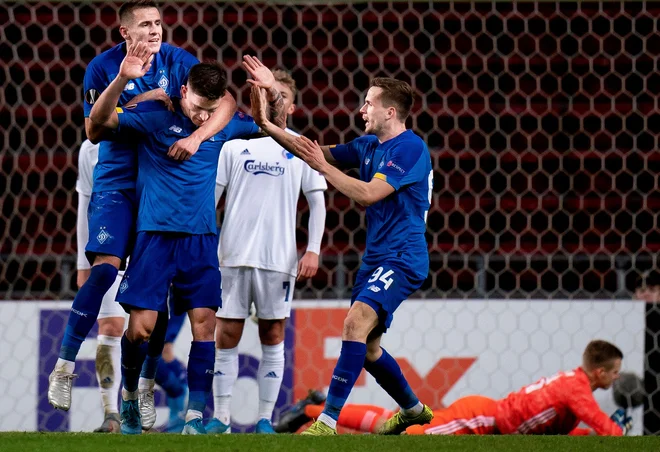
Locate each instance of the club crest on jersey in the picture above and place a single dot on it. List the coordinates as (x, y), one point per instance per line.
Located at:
(286, 154)
(254, 167)
(163, 82)
(129, 86)
(176, 129)
(91, 96)
(123, 286)
(103, 236)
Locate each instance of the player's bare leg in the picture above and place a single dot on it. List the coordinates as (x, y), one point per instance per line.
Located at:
(108, 370)
(228, 334)
(82, 317)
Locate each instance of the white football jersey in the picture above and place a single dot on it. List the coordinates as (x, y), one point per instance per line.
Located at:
(87, 158)
(263, 182)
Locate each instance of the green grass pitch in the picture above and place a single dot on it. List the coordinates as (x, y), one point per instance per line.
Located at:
(67, 442)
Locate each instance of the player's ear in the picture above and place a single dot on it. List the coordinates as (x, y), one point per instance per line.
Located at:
(292, 108)
(123, 31)
(184, 91)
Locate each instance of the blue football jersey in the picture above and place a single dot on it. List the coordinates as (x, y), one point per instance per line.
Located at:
(176, 196)
(116, 167)
(396, 224)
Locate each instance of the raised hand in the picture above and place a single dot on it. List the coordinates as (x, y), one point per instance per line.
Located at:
(259, 105)
(261, 75)
(311, 152)
(137, 61)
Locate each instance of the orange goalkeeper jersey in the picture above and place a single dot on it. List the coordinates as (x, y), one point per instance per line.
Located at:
(553, 406)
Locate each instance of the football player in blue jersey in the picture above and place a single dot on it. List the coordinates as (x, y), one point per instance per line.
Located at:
(176, 243)
(112, 208)
(395, 185)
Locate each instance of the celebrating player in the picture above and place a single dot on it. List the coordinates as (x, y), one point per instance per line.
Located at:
(263, 184)
(395, 184)
(112, 207)
(176, 241)
(551, 406)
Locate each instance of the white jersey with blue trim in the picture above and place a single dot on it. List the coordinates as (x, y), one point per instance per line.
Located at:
(263, 182)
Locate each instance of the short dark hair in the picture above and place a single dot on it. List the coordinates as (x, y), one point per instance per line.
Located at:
(396, 93)
(128, 7)
(600, 354)
(208, 80)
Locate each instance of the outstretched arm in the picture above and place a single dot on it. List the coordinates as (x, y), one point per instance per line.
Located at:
(365, 193)
(136, 63)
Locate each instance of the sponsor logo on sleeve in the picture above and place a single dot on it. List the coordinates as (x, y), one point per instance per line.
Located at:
(91, 96)
(396, 167)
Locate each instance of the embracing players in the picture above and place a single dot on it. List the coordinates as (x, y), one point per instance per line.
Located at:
(113, 204)
(176, 242)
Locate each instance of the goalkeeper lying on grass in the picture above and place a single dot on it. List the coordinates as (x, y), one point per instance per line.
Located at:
(551, 406)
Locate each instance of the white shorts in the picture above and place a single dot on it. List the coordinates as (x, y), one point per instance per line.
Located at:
(109, 307)
(270, 291)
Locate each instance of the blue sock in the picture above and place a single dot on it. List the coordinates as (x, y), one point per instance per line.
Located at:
(155, 347)
(132, 357)
(348, 368)
(388, 375)
(85, 309)
(169, 380)
(200, 374)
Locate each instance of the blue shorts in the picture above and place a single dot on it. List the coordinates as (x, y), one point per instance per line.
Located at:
(189, 263)
(385, 287)
(112, 216)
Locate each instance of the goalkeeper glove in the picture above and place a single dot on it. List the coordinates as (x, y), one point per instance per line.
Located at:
(621, 418)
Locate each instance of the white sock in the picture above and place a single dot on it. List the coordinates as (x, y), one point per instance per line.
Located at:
(225, 375)
(414, 411)
(327, 420)
(64, 365)
(146, 384)
(108, 359)
(193, 414)
(269, 378)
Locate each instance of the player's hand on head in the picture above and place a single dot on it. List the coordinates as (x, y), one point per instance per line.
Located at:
(259, 105)
(261, 75)
(311, 152)
(184, 148)
(137, 61)
(308, 265)
(623, 420)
